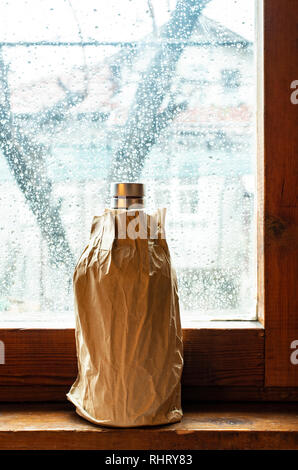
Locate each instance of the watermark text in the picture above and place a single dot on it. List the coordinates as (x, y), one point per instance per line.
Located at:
(2, 352)
(294, 354)
(294, 94)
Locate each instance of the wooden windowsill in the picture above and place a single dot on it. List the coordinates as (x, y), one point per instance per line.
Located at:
(54, 426)
(186, 323)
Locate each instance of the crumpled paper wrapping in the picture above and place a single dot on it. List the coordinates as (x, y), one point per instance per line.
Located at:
(128, 331)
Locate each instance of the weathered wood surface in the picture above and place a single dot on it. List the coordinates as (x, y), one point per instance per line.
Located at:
(208, 426)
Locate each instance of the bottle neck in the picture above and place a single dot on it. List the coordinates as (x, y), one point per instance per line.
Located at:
(127, 203)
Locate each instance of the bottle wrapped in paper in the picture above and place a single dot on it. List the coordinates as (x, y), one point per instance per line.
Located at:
(128, 331)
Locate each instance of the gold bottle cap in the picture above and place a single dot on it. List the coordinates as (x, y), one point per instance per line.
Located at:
(127, 190)
(127, 194)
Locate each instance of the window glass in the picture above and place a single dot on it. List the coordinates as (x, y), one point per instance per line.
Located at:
(158, 91)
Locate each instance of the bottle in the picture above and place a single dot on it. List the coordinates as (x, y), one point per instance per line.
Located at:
(128, 330)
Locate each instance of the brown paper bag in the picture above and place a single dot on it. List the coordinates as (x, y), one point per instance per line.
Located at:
(128, 332)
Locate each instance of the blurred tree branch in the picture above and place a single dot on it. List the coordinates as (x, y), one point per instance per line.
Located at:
(52, 115)
(141, 129)
(26, 159)
(152, 15)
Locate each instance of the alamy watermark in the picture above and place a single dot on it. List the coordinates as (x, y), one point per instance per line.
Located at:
(294, 94)
(294, 354)
(2, 352)
(135, 223)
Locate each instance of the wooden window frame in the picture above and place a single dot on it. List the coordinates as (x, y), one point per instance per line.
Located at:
(223, 360)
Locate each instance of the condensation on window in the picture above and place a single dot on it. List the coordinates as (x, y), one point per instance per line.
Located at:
(157, 91)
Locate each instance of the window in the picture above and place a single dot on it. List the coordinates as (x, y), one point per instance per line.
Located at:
(241, 360)
(92, 94)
